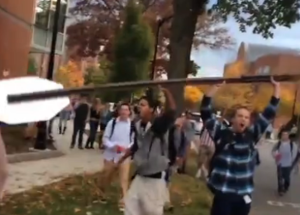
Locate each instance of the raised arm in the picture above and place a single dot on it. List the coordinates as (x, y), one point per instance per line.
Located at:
(163, 122)
(267, 116)
(210, 122)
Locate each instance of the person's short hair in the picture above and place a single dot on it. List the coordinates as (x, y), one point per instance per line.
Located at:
(124, 104)
(284, 130)
(150, 98)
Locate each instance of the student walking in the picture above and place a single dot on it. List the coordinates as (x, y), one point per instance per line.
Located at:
(105, 116)
(232, 167)
(146, 195)
(284, 152)
(64, 116)
(205, 151)
(94, 119)
(81, 116)
(118, 137)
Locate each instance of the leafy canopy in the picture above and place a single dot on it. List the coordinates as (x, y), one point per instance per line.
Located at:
(133, 47)
(262, 15)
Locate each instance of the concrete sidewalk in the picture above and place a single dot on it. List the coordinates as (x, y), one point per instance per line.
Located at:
(26, 175)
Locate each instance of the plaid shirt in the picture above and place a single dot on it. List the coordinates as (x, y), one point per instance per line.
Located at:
(233, 167)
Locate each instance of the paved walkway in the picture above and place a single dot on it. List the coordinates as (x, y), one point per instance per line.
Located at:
(266, 200)
(25, 175)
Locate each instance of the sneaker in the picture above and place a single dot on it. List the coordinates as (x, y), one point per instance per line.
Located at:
(121, 205)
(199, 173)
(103, 200)
(169, 207)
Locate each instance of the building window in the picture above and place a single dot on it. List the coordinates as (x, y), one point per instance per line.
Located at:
(45, 11)
(264, 70)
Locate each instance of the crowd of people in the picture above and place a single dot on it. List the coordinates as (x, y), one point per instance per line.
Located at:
(157, 139)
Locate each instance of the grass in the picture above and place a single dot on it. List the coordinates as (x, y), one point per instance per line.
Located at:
(79, 195)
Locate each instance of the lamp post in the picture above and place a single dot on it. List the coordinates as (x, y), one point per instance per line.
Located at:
(41, 139)
(295, 101)
(160, 22)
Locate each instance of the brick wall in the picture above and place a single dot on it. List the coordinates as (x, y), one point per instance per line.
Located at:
(16, 18)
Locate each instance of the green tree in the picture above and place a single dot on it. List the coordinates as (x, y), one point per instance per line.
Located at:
(133, 49)
(262, 16)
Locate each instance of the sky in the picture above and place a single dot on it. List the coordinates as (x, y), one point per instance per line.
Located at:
(212, 62)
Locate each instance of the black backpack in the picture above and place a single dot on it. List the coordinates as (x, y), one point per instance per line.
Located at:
(226, 137)
(132, 128)
(291, 144)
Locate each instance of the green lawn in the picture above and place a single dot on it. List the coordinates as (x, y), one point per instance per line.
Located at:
(79, 195)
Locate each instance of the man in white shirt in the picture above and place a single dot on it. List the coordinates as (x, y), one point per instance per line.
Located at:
(117, 138)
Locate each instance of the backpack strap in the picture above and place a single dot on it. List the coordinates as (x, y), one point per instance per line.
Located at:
(132, 130)
(113, 125)
(278, 145)
(292, 147)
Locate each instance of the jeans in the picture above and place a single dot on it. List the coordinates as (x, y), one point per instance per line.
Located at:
(284, 178)
(78, 128)
(50, 126)
(63, 118)
(229, 204)
(93, 132)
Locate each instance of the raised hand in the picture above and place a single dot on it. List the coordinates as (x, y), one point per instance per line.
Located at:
(274, 83)
(276, 86)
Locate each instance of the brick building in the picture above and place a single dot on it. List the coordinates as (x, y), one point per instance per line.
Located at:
(26, 31)
(254, 59)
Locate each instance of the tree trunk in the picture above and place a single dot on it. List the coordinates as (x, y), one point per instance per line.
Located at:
(182, 33)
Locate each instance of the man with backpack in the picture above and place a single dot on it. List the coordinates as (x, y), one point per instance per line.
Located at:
(232, 165)
(284, 153)
(118, 137)
(146, 195)
(178, 147)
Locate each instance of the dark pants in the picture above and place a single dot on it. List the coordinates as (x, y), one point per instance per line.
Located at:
(50, 125)
(257, 157)
(284, 178)
(229, 204)
(78, 128)
(93, 132)
(41, 138)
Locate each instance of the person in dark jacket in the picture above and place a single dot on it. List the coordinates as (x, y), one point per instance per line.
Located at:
(94, 123)
(81, 116)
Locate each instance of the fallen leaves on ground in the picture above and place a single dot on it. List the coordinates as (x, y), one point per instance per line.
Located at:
(80, 195)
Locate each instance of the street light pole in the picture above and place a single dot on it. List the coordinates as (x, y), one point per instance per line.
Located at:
(160, 23)
(295, 101)
(41, 139)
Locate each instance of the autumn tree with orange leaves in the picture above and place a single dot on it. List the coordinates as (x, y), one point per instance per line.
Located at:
(70, 75)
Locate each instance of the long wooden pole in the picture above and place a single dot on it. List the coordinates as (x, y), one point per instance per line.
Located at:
(131, 85)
